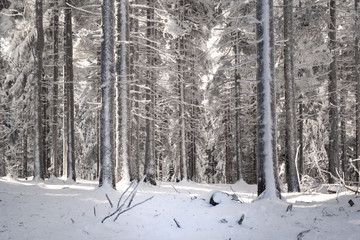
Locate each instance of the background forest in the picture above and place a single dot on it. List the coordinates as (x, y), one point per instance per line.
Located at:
(185, 94)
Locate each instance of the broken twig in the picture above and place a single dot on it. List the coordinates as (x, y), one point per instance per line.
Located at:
(127, 209)
(300, 235)
(111, 205)
(177, 223)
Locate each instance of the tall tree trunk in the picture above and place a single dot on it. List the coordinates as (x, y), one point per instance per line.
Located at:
(69, 83)
(344, 163)
(107, 173)
(291, 141)
(122, 161)
(357, 81)
(149, 168)
(237, 79)
(300, 163)
(39, 160)
(181, 48)
(134, 73)
(55, 89)
(266, 147)
(333, 150)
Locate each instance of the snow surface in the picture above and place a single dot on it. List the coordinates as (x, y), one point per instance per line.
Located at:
(57, 210)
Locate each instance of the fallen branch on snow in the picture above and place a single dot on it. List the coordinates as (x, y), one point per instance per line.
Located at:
(300, 235)
(119, 210)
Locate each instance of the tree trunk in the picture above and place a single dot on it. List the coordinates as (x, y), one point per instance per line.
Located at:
(149, 169)
(38, 152)
(228, 157)
(55, 90)
(122, 161)
(357, 81)
(333, 150)
(291, 142)
(25, 155)
(107, 173)
(69, 84)
(300, 163)
(237, 79)
(266, 146)
(344, 163)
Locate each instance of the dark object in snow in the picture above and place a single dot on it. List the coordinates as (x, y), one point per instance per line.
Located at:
(289, 208)
(111, 205)
(223, 220)
(241, 219)
(300, 235)
(217, 198)
(351, 203)
(94, 211)
(177, 223)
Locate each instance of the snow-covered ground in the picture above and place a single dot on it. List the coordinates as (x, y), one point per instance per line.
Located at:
(57, 210)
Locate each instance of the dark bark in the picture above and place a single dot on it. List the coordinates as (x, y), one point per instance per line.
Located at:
(333, 150)
(300, 165)
(25, 155)
(149, 168)
(237, 79)
(107, 172)
(55, 89)
(357, 82)
(69, 84)
(39, 160)
(227, 155)
(291, 141)
(344, 160)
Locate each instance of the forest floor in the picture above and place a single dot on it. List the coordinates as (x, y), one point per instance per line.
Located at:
(55, 209)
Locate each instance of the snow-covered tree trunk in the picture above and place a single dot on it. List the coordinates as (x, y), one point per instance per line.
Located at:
(134, 74)
(357, 81)
(69, 84)
(237, 90)
(266, 143)
(107, 173)
(122, 160)
(181, 81)
(149, 168)
(333, 150)
(55, 89)
(38, 144)
(291, 141)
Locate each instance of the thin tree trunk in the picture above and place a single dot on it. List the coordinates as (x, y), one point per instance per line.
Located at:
(300, 162)
(25, 155)
(344, 163)
(55, 89)
(291, 141)
(268, 184)
(333, 150)
(237, 106)
(107, 173)
(38, 144)
(69, 83)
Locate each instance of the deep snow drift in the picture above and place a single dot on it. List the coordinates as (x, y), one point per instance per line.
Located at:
(57, 210)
